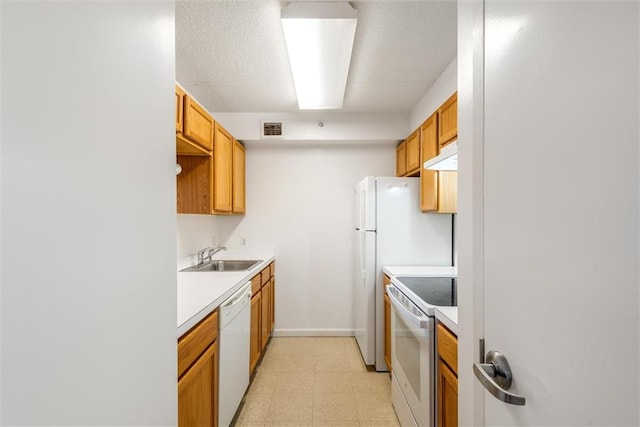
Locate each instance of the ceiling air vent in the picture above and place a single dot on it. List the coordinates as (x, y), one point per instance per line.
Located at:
(271, 129)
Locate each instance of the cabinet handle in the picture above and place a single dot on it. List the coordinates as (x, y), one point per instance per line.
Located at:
(495, 375)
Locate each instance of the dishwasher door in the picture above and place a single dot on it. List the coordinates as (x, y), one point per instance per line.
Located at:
(235, 319)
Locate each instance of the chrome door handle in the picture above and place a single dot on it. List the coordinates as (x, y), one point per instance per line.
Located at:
(495, 375)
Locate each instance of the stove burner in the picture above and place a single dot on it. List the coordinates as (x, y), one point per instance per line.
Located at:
(437, 291)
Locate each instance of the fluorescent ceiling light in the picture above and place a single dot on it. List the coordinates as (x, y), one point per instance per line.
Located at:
(319, 37)
(447, 160)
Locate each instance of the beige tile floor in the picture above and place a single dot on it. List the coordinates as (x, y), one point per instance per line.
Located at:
(317, 382)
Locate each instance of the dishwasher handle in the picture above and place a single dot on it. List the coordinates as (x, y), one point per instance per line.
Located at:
(235, 304)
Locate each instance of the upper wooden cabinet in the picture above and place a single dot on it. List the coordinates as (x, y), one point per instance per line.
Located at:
(198, 124)
(179, 108)
(429, 178)
(448, 118)
(239, 197)
(401, 159)
(222, 170)
(413, 153)
(212, 180)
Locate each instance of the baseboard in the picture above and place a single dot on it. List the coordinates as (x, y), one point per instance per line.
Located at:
(312, 333)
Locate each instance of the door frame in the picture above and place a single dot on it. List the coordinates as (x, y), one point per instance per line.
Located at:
(470, 219)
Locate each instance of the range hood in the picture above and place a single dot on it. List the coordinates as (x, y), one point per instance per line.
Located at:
(447, 160)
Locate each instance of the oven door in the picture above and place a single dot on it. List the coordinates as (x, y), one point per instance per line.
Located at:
(412, 354)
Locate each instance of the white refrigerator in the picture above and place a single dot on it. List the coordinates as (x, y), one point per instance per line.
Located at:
(390, 229)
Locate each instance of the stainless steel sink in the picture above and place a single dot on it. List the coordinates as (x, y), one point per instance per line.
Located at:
(226, 265)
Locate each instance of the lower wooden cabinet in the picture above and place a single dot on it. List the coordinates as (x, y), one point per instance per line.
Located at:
(198, 391)
(447, 396)
(255, 345)
(262, 314)
(447, 386)
(198, 375)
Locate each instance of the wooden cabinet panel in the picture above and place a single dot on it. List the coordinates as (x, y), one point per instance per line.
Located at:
(265, 318)
(198, 124)
(448, 120)
(265, 275)
(255, 342)
(256, 284)
(198, 392)
(401, 159)
(447, 404)
(447, 191)
(413, 153)
(428, 178)
(238, 199)
(447, 347)
(272, 305)
(194, 185)
(196, 340)
(222, 170)
(179, 108)
(387, 330)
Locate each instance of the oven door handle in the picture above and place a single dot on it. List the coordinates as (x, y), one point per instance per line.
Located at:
(421, 322)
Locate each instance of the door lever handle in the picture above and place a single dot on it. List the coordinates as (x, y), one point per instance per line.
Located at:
(495, 375)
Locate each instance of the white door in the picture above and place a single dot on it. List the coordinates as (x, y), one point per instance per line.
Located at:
(560, 211)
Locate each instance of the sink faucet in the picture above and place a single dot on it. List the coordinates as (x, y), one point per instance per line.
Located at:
(206, 253)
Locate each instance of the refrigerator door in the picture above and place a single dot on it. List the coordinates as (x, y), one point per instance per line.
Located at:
(364, 295)
(366, 204)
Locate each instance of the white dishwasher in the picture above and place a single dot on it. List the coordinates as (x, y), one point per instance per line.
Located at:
(235, 319)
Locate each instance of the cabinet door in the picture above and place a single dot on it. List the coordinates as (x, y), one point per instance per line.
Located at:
(447, 191)
(272, 305)
(198, 124)
(198, 392)
(429, 178)
(401, 159)
(413, 153)
(387, 331)
(447, 396)
(179, 108)
(265, 321)
(255, 344)
(222, 170)
(448, 118)
(238, 177)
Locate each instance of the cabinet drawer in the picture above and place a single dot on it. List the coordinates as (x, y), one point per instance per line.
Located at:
(255, 284)
(193, 343)
(266, 275)
(448, 347)
(272, 268)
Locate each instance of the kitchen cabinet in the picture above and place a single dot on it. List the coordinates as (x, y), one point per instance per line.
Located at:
(413, 154)
(262, 313)
(448, 118)
(438, 189)
(401, 159)
(238, 179)
(447, 386)
(198, 124)
(212, 180)
(198, 374)
(386, 281)
(222, 170)
(180, 94)
(408, 156)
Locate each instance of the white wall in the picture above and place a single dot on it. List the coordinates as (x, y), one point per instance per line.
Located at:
(439, 92)
(299, 201)
(88, 214)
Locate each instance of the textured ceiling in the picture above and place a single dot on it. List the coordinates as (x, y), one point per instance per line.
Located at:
(231, 55)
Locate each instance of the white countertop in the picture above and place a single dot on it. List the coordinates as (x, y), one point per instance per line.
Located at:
(199, 293)
(446, 315)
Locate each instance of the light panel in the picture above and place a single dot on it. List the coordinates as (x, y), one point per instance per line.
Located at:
(319, 38)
